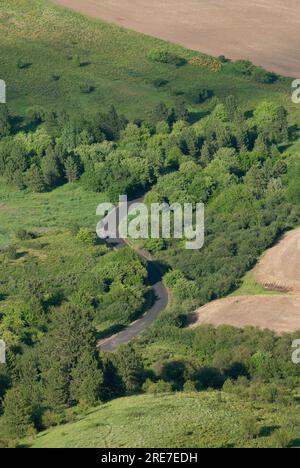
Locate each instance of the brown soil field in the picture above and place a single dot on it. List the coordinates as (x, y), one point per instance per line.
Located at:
(278, 269)
(278, 313)
(265, 31)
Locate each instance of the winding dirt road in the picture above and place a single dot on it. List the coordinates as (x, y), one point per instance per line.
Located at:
(263, 31)
(160, 294)
(279, 269)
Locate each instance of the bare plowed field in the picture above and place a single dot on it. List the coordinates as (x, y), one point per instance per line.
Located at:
(278, 269)
(265, 31)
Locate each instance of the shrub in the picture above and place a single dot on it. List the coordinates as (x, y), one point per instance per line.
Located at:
(243, 67)
(160, 82)
(229, 387)
(35, 114)
(223, 59)
(189, 386)
(163, 387)
(51, 419)
(250, 427)
(204, 95)
(87, 89)
(74, 229)
(246, 68)
(86, 236)
(199, 96)
(23, 235)
(148, 386)
(102, 250)
(212, 63)
(172, 277)
(263, 76)
(162, 128)
(155, 245)
(269, 393)
(281, 438)
(76, 60)
(164, 56)
(11, 252)
(159, 387)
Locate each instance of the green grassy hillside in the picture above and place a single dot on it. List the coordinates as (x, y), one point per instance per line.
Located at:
(180, 420)
(47, 54)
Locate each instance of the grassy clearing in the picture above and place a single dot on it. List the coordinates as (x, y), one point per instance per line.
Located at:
(153, 421)
(39, 257)
(57, 209)
(60, 51)
(250, 287)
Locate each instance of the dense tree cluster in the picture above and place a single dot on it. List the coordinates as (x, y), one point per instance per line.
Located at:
(65, 369)
(234, 166)
(251, 363)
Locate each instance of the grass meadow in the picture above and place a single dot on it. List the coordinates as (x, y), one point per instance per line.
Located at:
(207, 419)
(47, 54)
(64, 206)
(250, 287)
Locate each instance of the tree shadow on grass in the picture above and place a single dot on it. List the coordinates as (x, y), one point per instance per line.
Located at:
(85, 64)
(267, 431)
(194, 117)
(295, 443)
(24, 65)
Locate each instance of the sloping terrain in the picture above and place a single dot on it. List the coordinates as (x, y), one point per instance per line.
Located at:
(264, 31)
(277, 270)
(152, 421)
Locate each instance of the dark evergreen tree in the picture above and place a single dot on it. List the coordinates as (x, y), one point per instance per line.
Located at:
(113, 384)
(262, 146)
(28, 375)
(17, 412)
(111, 124)
(189, 142)
(5, 382)
(160, 113)
(56, 379)
(51, 124)
(87, 380)
(34, 179)
(71, 169)
(180, 111)
(223, 136)
(16, 165)
(130, 368)
(69, 138)
(5, 126)
(281, 125)
(206, 153)
(71, 336)
(242, 137)
(231, 107)
(51, 169)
